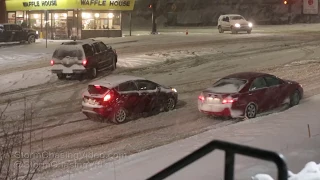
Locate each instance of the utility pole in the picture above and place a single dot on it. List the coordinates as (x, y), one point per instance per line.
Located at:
(289, 11)
(153, 7)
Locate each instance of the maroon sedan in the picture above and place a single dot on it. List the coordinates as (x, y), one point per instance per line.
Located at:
(248, 93)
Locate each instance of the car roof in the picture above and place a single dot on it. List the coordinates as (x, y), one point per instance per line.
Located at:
(231, 15)
(114, 80)
(81, 42)
(247, 75)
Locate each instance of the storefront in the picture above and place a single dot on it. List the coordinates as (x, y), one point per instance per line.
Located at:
(61, 19)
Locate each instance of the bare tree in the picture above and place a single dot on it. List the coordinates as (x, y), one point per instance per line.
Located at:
(16, 158)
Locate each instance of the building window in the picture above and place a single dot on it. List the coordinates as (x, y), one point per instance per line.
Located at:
(19, 17)
(12, 17)
(60, 25)
(101, 21)
(35, 20)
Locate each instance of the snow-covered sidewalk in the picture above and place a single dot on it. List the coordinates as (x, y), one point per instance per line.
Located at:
(285, 132)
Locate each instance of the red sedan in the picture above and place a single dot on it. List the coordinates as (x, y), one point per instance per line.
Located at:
(247, 94)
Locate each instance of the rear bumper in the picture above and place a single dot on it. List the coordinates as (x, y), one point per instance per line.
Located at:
(75, 69)
(100, 111)
(224, 110)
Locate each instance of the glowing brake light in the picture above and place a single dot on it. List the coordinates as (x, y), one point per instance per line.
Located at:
(52, 62)
(201, 97)
(227, 101)
(107, 97)
(84, 62)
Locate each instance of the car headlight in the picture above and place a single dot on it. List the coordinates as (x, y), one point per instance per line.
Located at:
(237, 25)
(250, 24)
(174, 90)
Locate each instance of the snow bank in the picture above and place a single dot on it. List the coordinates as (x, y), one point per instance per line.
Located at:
(25, 79)
(311, 171)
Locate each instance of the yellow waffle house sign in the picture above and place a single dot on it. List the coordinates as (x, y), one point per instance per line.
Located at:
(31, 5)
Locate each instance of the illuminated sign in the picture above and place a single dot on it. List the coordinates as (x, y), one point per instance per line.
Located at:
(27, 5)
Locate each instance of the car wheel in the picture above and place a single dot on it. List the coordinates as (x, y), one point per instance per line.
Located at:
(92, 73)
(251, 111)
(119, 116)
(114, 64)
(31, 39)
(170, 104)
(249, 31)
(295, 98)
(220, 29)
(61, 76)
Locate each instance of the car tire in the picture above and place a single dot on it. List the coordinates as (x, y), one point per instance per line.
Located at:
(295, 98)
(120, 116)
(170, 104)
(114, 64)
(61, 76)
(220, 29)
(92, 73)
(251, 111)
(249, 31)
(31, 39)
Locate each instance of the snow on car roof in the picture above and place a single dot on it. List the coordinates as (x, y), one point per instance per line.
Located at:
(114, 80)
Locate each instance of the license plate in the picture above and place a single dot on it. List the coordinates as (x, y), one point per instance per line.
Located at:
(213, 100)
(67, 71)
(92, 101)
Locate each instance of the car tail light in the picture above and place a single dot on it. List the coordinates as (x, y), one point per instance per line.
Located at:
(84, 62)
(107, 97)
(52, 62)
(201, 97)
(229, 100)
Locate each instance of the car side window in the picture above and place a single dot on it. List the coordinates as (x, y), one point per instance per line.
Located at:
(15, 27)
(146, 85)
(272, 80)
(96, 47)
(258, 83)
(127, 86)
(6, 27)
(102, 46)
(88, 50)
(227, 19)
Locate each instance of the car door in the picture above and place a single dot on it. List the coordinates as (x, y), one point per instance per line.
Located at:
(89, 53)
(130, 96)
(8, 35)
(276, 91)
(104, 57)
(2, 36)
(18, 33)
(257, 94)
(149, 94)
(227, 23)
(98, 56)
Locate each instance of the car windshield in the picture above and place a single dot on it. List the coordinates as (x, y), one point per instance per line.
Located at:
(66, 51)
(229, 85)
(237, 18)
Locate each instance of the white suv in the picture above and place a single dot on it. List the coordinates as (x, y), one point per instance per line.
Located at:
(233, 23)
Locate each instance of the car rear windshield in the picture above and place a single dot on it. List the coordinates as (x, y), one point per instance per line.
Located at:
(65, 51)
(229, 85)
(96, 89)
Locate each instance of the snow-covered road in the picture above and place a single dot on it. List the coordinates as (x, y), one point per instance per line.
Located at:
(189, 63)
(285, 132)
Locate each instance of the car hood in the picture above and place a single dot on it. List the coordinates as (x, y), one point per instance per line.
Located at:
(290, 81)
(239, 21)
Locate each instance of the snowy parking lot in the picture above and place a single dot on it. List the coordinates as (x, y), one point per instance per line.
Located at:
(189, 63)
